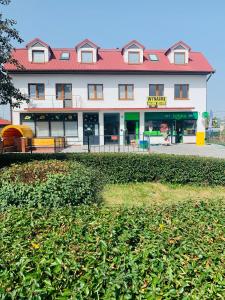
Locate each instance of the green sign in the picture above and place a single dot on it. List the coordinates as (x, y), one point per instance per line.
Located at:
(205, 114)
(149, 116)
(132, 116)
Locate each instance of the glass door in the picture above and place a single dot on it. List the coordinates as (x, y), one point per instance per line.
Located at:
(91, 124)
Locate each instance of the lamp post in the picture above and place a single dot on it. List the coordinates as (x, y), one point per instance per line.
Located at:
(88, 134)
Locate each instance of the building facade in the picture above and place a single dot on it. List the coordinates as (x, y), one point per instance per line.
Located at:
(116, 95)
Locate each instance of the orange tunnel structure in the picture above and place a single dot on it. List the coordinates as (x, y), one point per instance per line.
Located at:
(12, 135)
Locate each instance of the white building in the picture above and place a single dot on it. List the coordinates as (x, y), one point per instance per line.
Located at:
(120, 94)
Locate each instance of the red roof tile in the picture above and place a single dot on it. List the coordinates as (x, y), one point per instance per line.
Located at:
(112, 60)
(134, 42)
(86, 41)
(37, 40)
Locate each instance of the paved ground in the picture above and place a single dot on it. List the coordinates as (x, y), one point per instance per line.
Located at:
(212, 150)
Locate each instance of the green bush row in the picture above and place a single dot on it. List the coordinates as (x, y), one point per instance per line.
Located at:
(49, 184)
(123, 168)
(173, 252)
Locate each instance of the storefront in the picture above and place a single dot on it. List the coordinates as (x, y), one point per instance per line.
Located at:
(124, 128)
(51, 124)
(181, 126)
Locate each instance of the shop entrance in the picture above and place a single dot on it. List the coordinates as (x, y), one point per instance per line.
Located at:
(179, 130)
(132, 127)
(111, 128)
(91, 123)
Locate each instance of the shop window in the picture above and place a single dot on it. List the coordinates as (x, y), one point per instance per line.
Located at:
(156, 89)
(36, 91)
(28, 120)
(126, 91)
(71, 126)
(181, 91)
(189, 127)
(95, 91)
(156, 127)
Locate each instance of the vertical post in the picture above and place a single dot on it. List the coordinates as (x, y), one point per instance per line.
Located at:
(55, 145)
(88, 143)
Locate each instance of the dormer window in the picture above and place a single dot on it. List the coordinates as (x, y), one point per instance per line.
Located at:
(133, 52)
(65, 56)
(179, 53)
(179, 58)
(87, 57)
(133, 57)
(38, 56)
(38, 51)
(87, 52)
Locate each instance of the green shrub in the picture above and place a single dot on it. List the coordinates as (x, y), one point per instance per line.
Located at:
(124, 168)
(49, 184)
(172, 252)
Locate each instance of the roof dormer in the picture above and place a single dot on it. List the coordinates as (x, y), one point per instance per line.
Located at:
(87, 52)
(133, 52)
(179, 53)
(38, 51)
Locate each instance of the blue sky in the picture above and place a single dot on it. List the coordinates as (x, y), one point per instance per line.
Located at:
(112, 23)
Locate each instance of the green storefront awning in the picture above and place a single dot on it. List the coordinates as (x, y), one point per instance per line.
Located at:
(132, 116)
(149, 116)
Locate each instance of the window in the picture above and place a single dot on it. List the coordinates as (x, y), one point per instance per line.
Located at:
(29, 120)
(179, 58)
(65, 56)
(95, 91)
(45, 125)
(64, 91)
(189, 127)
(156, 89)
(71, 127)
(38, 56)
(36, 91)
(87, 57)
(133, 57)
(156, 127)
(181, 91)
(126, 91)
(42, 125)
(153, 57)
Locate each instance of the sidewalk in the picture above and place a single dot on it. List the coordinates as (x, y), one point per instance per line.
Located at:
(212, 150)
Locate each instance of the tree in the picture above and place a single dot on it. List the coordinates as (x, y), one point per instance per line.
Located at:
(8, 93)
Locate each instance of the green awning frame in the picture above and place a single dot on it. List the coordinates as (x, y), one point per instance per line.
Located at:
(150, 116)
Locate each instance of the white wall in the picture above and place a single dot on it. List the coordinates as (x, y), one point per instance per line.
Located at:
(197, 89)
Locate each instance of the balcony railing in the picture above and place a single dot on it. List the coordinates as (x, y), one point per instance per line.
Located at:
(50, 101)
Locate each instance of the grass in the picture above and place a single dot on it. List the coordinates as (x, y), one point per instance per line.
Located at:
(147, 194)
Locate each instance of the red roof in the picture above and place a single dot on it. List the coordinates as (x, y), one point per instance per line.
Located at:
(111, 60)
(4, 122)
(86, 41)
(134, 42)
(37, 40)
(180, 43)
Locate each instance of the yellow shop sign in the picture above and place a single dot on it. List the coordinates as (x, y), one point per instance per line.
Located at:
(156, 101)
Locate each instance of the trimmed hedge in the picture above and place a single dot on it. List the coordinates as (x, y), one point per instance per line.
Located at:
(161, 252)
(49, 184)
(124, 168)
